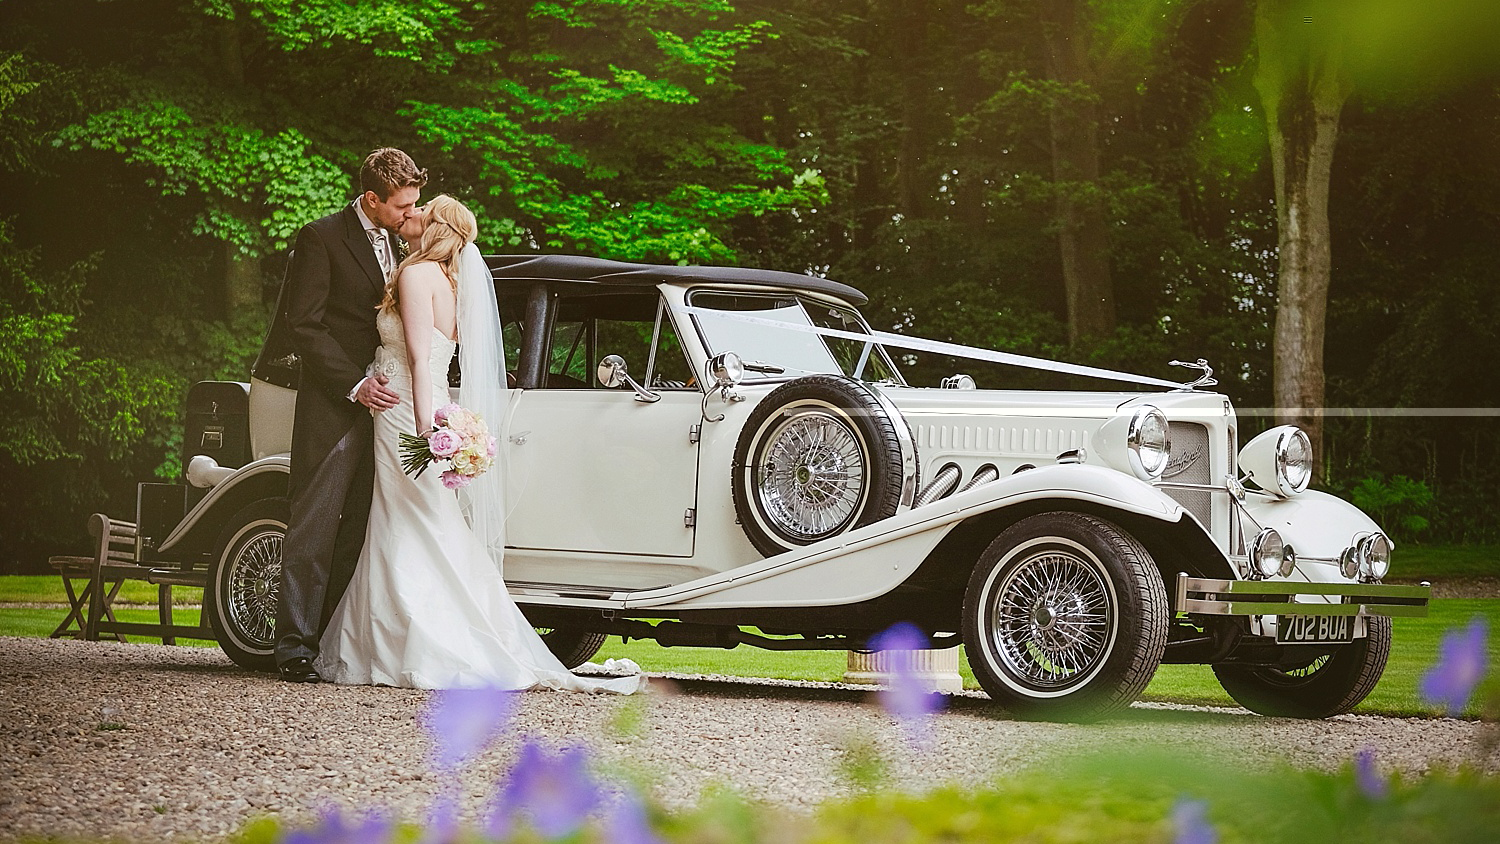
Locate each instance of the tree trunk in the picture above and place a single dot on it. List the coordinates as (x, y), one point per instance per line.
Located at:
(1303, 90)
(1083, 233)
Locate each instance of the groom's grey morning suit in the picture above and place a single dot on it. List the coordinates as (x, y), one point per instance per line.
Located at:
(334, 284)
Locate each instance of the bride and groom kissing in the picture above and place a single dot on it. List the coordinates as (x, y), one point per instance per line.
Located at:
(388, 579)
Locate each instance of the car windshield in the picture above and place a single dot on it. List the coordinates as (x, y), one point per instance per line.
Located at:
(769, 351)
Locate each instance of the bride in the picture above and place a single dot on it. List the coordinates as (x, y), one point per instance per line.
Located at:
(427, 607)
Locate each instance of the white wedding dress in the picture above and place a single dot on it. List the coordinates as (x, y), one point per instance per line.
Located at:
(427, 607)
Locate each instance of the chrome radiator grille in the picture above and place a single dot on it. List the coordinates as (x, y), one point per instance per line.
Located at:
(1190, 464)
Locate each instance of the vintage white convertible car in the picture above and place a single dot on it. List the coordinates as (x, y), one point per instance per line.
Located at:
(712, 457)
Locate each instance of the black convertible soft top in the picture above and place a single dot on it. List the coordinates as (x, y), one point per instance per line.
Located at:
(601, 271)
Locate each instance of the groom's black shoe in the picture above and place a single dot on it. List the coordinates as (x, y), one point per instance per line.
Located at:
(298, 670)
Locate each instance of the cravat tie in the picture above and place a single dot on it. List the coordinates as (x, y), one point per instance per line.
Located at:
(382, 246)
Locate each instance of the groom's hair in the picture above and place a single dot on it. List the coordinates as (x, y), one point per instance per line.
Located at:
(387, 170)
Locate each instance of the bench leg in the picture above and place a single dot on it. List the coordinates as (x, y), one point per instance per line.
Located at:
(106, 606)
(77, 607)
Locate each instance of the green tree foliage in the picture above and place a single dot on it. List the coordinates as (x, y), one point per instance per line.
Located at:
(174, 147)
(161, 153)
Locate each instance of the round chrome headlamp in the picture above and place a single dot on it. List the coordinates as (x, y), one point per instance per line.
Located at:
(1267, 553)
(1374, 555)
(1150, 443)
(1279, 460)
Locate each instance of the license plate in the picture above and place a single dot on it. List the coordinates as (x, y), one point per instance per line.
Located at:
(1314, 629)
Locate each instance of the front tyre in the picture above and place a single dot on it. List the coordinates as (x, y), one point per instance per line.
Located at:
(245, 583)
(1331, 684)
(1065, 617)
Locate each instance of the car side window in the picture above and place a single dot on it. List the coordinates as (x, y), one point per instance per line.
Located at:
(634, 325)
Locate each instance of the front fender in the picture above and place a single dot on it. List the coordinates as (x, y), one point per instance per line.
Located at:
(194, 536)
(1317, 525)
(870, 561)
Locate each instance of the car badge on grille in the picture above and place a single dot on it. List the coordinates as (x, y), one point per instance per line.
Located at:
(1182, 461)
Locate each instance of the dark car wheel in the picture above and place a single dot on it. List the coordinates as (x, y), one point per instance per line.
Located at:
(573, 647)
(819, 456)
(1331, 684)
(245, 582)
(1065, 616)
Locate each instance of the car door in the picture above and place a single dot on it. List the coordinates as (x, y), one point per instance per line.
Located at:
(594, 469)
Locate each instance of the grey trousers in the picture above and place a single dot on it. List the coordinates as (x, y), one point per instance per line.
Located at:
(323, 541)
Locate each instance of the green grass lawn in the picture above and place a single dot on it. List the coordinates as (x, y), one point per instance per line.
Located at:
(1443, 562)
(1416, 647)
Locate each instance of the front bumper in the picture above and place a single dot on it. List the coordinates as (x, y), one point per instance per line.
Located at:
(1212, 596)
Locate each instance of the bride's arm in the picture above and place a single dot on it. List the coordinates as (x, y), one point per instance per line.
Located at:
(416, 287)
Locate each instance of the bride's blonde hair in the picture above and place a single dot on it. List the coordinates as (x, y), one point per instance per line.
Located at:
(450, 227)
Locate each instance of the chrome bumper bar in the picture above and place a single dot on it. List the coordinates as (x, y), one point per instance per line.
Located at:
(1210, 596)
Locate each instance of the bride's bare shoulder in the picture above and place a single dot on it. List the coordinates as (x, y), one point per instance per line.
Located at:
(422, 274)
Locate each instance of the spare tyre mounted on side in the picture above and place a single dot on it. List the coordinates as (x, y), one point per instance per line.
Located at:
(817, 457)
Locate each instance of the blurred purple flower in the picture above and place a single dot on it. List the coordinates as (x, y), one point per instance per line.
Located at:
(627, 823)
(1190, 823)
(1461, 664)
(556, 792)
(905, 696)
(1367, 776)
(463, 721)
(332, 828)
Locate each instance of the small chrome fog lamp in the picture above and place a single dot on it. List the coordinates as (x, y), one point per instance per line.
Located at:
(1349, 563)
(1374, 554)
(1288, 560)
(1267, 554)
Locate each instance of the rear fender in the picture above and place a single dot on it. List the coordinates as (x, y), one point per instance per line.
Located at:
(195, 535)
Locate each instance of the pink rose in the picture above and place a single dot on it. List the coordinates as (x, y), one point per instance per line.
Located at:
(492, 446)
(442, 414)
(454, 480)
(444, 443)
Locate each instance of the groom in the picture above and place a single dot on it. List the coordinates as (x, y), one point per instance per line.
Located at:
(336, 279)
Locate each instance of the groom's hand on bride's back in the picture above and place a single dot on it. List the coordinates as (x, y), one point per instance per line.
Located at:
(374, 394)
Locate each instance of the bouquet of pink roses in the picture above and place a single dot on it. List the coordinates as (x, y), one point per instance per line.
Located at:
(459, 437)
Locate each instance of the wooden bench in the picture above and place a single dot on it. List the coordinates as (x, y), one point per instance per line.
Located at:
(113, 563)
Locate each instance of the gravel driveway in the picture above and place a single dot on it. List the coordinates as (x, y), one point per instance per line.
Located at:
(156, 743)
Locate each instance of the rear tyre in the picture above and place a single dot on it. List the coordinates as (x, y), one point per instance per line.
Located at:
(1331, 685)
(572, 646)
(1065, 617)
(245, 583)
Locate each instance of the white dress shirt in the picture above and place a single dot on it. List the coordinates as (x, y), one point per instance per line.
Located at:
(385, 256)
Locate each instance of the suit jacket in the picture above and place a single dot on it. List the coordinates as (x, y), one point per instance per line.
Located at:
(333, 287)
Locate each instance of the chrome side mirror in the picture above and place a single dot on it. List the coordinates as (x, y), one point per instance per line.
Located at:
(726, 369)
(613, 373)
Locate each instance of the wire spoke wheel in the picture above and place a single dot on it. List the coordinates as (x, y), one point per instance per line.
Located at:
(245, 583)
(254, 587)
(1065, 617)
(1053, 618)
(812, 477)
(1319, 687)
(818, 456)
